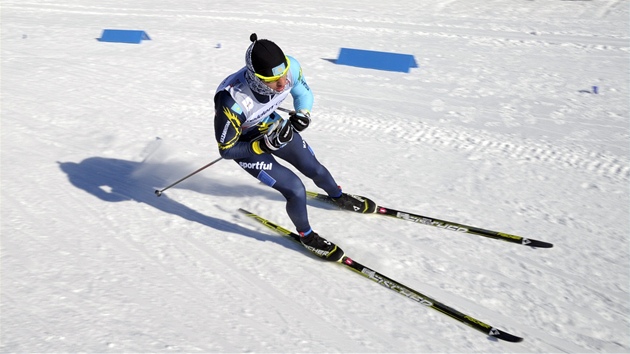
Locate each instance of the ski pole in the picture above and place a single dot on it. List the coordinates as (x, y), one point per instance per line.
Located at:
(284, 109)
(160, 191)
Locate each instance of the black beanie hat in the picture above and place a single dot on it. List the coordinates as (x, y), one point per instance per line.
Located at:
(265, 55)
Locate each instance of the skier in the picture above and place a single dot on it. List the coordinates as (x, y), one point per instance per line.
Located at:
(250, 131)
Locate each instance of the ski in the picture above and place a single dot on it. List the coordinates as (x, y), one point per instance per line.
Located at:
(396, 286)
(442, 224)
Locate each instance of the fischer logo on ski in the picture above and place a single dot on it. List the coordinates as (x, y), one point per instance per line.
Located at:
(430, 222)
(394, 286)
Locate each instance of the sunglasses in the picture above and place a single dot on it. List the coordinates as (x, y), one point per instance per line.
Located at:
(275, 77)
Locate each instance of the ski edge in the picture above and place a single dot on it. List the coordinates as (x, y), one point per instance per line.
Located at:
(273, 226)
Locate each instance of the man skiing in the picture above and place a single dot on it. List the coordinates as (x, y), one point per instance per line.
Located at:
(250, 131)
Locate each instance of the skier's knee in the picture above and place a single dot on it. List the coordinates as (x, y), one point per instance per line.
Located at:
(293, 190)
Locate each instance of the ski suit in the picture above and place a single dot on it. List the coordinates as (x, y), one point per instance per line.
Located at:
(243, 116)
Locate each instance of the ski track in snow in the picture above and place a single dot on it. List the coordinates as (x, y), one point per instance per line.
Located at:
(472, 143)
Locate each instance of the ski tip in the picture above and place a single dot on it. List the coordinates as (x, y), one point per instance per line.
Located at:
(510, 338)
(498, 334)
(536, 243)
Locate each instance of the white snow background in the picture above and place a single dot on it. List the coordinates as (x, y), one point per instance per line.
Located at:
(499, 127)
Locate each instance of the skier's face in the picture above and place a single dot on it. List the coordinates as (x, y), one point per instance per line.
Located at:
(279, 84)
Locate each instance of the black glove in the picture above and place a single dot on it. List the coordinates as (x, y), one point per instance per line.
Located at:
(300, 120)
(278, 137)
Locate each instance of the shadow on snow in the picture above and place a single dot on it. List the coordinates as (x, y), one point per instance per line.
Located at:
(115, 180)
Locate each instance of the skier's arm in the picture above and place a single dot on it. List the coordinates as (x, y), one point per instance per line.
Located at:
(301, 93)
(228, 117)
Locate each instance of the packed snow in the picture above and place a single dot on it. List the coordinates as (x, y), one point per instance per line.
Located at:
(516, 120)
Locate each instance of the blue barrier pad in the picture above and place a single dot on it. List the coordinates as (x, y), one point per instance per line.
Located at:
(376, 60)
(123, 36)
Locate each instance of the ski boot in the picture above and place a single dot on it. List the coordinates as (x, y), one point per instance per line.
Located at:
(355, 203)
(321, 247)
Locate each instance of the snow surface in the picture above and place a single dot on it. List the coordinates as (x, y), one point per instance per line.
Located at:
(499, 128)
